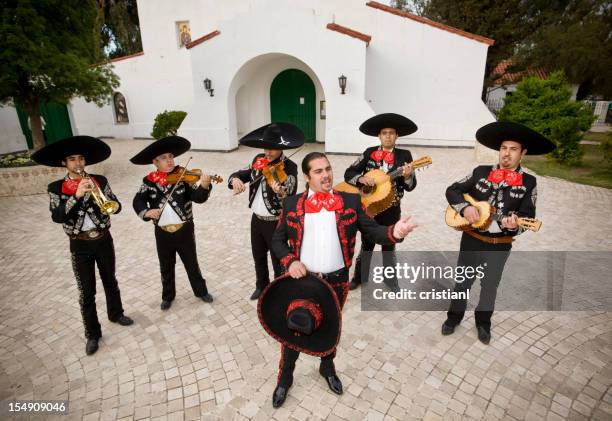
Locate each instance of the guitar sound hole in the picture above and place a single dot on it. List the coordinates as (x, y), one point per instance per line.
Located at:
(368, 189)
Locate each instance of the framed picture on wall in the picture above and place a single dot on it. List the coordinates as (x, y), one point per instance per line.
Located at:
(183, 32)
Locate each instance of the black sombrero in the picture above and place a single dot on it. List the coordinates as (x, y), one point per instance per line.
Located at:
(92, 149)
(402, 125)
(303, 314)
(274, 136)
(175, 145)
(493, 134)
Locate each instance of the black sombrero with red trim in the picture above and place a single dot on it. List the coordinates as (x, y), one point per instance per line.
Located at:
(303, 314)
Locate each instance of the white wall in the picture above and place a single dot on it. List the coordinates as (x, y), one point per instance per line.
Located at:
(432, 76)
(237, 57)
(11, 136)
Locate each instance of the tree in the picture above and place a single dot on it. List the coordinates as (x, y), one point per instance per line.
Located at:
(546, 107)
(120, 31)
(576, 37)
(573, 35)
(49, 50)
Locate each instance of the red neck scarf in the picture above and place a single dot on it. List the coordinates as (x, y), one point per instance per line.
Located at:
(260, 163)
(321, 200)
(511, 177)
(70, 185)
(158, 177)
(381, 155)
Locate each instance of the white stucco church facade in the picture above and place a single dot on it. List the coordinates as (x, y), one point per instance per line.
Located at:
(281, 60)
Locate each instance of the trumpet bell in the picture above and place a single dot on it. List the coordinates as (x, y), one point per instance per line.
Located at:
(109, 207)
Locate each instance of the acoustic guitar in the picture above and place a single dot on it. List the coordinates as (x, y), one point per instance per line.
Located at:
(487, 215)
(379, 197)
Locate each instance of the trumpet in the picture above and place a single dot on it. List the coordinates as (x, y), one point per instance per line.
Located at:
(108, 207)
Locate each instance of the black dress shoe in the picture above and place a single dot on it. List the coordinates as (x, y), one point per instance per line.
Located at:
(124, 321)
(447, 329)
(207, 298)
(255, 295)
(354, 285)
(279, 396)
(91, 347)
(165, 305)
(484, 335)
(334, 384)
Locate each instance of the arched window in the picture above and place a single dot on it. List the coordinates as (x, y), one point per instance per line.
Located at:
(121, 113)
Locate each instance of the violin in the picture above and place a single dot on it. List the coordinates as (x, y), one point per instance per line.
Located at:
(189, 176)
(275, 173)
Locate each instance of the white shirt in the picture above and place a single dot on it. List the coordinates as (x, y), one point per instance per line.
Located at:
(258, 206)
(87, 223)
(169, 217)
(321, 250)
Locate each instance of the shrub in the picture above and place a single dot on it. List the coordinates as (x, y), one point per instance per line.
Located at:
(546, 107)
(167, 123)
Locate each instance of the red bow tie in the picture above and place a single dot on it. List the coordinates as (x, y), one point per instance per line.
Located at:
(386, 156)
(158, 177)
(260, 163)
(511, 177)
(71, 185)
(322, 200)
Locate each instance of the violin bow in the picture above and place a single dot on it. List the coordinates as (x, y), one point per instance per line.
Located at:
(175, 186)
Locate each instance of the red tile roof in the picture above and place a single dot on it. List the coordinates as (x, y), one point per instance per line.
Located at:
(350, 32)
(504, 78)
(200, 40)
(429, 22)
(141, 53)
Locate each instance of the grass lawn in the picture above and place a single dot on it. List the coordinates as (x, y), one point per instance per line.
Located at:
(593, 170)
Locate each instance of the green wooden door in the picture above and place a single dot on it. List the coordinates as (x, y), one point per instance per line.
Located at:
(292, 100)
(56, 124)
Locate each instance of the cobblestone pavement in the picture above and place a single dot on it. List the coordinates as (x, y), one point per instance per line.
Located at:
(215, 361)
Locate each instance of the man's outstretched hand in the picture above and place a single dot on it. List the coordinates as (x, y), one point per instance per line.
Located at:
(402, 228)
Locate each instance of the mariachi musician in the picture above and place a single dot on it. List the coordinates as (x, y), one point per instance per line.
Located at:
(512, 193)
(165, 197)
(386, 157)
(83, 203)
(271, 177)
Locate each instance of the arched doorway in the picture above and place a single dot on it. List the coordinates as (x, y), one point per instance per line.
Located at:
(293, 100)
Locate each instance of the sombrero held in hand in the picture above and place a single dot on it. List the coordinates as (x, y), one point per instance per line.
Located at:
(303, 314)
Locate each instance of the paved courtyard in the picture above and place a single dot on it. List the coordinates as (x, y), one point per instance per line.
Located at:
(215, 361)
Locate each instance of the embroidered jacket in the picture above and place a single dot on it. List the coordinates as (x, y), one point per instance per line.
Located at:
(152, 195)
(351, 217)
(520, 199)
(70, 211)
(271, 200)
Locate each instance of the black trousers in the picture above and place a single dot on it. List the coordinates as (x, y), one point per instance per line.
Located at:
(493, 258)
(362, 263)
(339, 283)
(85, 255)
(261, 242)
(183, 243)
